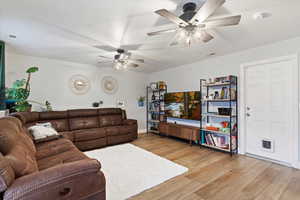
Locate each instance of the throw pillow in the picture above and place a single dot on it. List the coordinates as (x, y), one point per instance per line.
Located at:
(43, 134)
(46, 124)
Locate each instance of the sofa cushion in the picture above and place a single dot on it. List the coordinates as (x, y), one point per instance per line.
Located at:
(91, 144)
(44, 116)
(110, 120)
(58, 124)
(82, 113)
(11, 132)
(120, 130)
(27, 117)
(110, 111)
(117, 139)
(89, 134)
(53, 148)
(21, 160)
(68, 135)
(70, 155)
(17, 147)
(83, 123)
(7, 174)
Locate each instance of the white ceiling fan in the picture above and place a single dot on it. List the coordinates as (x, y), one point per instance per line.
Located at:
(123, 60)
(192, 25)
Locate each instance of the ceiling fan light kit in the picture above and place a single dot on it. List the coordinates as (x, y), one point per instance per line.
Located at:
(122, 60)
(193, 24)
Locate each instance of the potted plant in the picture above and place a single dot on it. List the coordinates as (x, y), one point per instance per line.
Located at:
(141, 101)
(20, 91)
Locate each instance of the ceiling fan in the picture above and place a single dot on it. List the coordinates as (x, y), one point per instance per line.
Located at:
(193, 25)
(123, 60)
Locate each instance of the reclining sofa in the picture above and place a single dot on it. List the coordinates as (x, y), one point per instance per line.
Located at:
(57, 169)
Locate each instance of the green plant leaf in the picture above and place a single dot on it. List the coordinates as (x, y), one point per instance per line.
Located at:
(32, 69)
(19, 83)
(22, 106)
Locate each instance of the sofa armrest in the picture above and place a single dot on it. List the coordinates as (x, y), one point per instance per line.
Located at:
(130, 122)
(71, 180)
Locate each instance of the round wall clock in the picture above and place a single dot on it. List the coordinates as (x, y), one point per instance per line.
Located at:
(79, 84)
(109, 85)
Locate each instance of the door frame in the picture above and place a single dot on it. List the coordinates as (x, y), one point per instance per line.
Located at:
(242, 97)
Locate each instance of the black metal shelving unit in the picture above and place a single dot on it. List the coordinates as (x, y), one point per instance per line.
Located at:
(208, 137)
(155, 108)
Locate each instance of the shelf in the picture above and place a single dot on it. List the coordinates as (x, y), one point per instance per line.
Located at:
(218, 84)
(154, 121)
(158, 90)
(154, 101)
(217, 115)
(230, 100)
(218, 100)
(217, 132)
(215, 147)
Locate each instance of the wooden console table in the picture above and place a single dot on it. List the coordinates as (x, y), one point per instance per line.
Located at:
(190, 133)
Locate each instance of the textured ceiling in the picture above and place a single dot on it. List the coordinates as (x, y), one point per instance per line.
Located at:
(70, 30)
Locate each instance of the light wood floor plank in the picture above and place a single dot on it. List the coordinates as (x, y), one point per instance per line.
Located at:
(217, 176)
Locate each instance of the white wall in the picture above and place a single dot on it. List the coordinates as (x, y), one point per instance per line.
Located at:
(187, 77)
(51, 83)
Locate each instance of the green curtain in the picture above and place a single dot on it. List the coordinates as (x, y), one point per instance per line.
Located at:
(2, 75)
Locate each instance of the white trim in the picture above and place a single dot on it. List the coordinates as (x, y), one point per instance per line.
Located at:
(242, 141)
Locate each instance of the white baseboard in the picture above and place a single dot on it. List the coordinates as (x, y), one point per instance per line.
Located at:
(297, 165)
(142, 131)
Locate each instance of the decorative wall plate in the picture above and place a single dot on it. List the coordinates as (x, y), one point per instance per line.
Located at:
(79, 84)
(109, 85)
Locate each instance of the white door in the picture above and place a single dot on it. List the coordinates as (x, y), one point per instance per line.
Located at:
(269, 107)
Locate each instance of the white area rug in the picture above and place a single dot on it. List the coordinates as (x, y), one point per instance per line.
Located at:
(129, 170)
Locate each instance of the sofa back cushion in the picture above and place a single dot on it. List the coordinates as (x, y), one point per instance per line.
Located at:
(110, 117)
(58, 120)
(27, 117)
(7, 174)
(83, 123)
(82, 113)
(17, 147)
(110, 120)
(60, 125)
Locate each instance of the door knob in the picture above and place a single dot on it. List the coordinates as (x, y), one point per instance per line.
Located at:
(247, 114)
(248, 108)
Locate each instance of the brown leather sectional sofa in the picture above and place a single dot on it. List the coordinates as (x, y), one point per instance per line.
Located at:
(88, 128)
(57, 169)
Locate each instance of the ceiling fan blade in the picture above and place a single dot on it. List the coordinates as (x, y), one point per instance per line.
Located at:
(162, 32)
(132, 65)
(137, 60)
(227, 21)
(205, 36)
(104, 57)
(104, 62)
(105, 48)
(131, 47)
(170, 16)
(206, 10)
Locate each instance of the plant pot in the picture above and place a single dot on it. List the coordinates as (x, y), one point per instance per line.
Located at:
(141, 104)
(29, 108)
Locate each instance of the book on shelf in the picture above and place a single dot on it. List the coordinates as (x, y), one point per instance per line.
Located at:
(217, 141)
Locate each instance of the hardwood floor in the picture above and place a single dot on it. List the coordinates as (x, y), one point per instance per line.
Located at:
(217, 176)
